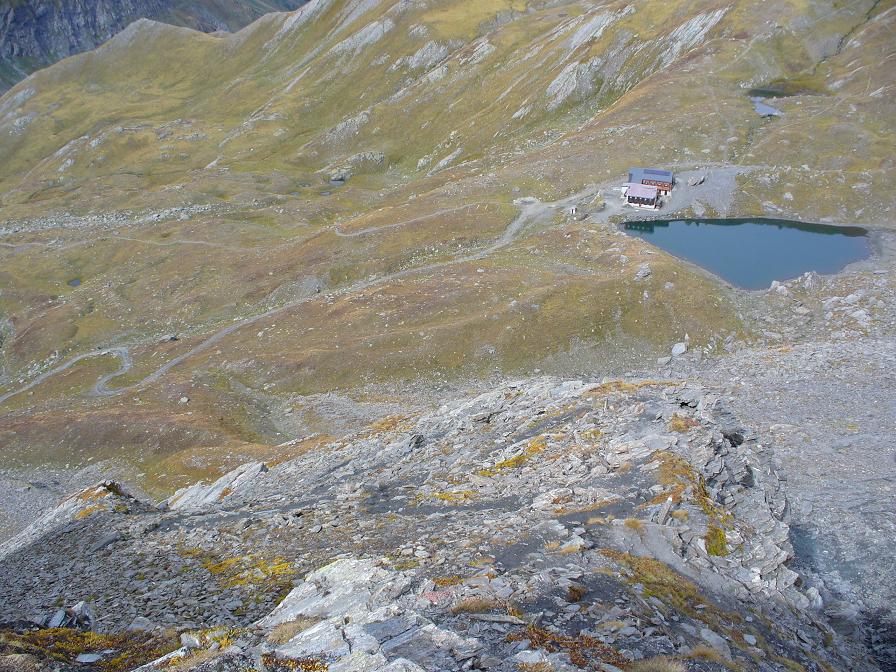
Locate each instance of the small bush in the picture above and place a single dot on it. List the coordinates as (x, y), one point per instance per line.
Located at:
(716, 543)
(682, 424)
(634, 524)
(276, 664)
(535, 667)
(582, 650)
(658, 664)
(576, 593)
(189, 660)
(702, 652)
(286, 631)
(475, 605)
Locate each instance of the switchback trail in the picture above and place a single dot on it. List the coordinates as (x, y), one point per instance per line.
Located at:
(531, 210)
(120, 351)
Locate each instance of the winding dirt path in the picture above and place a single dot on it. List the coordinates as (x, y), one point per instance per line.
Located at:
(421, 218)
(126, 363)
(180, 241)
(119, 351)
(531, 211)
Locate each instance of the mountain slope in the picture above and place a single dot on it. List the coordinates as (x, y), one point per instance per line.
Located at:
(560, 523)
(36, 33)
(143, 199)
(217, 249)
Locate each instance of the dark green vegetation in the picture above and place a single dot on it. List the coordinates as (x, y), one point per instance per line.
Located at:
(751, 253)
(182, 177)
(801, 85)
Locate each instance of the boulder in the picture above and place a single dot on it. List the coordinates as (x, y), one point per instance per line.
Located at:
(79, 616)
(190, 641)
(340, 589)
(364, 623)
(200, 496)
(716, 641)
(141, 624)
(363, 162)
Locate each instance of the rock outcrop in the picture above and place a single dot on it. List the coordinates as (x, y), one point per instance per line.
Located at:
(200, 496)
(569, 524)
(102, 497)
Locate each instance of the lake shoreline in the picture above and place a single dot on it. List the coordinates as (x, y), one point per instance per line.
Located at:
(751, 253)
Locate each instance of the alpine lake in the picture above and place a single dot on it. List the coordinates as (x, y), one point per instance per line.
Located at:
(752, 253)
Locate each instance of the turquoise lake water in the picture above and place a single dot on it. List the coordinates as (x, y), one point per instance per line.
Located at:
(751, 253)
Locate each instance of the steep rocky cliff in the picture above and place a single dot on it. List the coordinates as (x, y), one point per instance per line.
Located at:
(36, 33)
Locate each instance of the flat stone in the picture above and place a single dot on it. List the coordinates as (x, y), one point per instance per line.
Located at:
(56, 619)
(190, 641)
(716, 641)
(88, 657)
(106, 540)
(141, 624)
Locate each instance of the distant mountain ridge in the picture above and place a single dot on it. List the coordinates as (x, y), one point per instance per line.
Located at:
(37, 33)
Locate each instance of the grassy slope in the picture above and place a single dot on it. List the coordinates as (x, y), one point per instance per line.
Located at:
(134, 125)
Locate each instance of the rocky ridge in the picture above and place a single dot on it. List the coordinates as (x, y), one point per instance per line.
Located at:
(564, 523)
(36, 33)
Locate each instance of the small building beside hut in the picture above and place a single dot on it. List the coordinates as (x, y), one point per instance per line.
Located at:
(641, 195)
(663, 180)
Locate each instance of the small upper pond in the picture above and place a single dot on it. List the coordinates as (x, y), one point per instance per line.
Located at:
(763, 109)
(751, 253)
